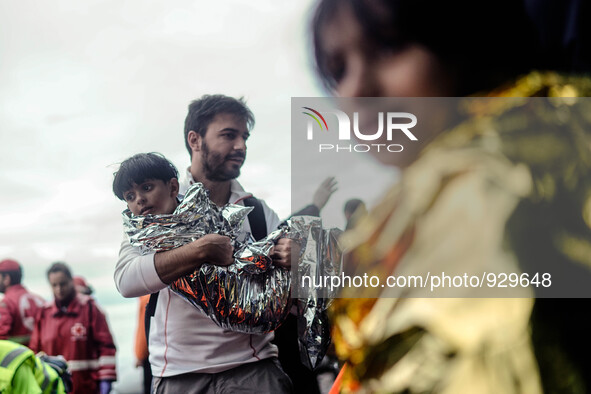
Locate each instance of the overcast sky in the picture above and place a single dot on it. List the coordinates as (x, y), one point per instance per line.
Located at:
(86, 84)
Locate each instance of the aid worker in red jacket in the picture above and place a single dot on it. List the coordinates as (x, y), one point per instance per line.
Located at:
(76, 328)
(18, 307)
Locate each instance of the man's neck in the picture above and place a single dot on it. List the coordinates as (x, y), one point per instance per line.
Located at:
(219, 192)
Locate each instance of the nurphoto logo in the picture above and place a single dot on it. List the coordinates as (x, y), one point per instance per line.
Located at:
(390, 123)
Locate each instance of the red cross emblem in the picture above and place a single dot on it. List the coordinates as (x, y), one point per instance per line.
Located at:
(78, 331)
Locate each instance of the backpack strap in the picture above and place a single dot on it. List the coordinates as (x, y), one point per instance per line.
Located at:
(150, 311)
(256, 218)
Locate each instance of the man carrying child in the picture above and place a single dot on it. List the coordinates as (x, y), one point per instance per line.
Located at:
(189, 353)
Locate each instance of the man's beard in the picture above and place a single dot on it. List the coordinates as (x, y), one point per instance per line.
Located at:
(214, 168)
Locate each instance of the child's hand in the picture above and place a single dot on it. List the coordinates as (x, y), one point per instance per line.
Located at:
(215, 249)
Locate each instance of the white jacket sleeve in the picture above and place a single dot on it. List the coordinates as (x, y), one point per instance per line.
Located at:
(135, 274)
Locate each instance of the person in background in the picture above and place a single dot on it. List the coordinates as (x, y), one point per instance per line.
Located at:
(75, 327)
(493, 188)
(19, 307)
(22, 372)
(354, 210)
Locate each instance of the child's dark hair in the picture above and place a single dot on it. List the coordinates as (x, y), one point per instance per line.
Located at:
(141, 167)
(483, 44)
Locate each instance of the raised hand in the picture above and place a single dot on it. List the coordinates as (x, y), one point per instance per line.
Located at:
(324, 191)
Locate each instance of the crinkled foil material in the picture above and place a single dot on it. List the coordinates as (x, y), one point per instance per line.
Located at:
(251, 295)
(320, 257)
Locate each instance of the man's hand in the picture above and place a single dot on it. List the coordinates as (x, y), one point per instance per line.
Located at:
(282, 251)
(212, 249)
(324, 191)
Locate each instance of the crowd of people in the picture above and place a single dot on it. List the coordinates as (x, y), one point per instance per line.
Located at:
(486, 186)
(72, 326)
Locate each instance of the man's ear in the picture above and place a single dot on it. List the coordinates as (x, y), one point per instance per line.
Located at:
(194, 140)
(174, 187)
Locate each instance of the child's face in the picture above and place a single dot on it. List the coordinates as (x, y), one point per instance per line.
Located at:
(152, 197)
(361, 68)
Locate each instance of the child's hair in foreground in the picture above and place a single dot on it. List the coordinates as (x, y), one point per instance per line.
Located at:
(141, 167)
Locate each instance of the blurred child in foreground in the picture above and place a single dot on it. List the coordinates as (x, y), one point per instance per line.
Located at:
(486, 190)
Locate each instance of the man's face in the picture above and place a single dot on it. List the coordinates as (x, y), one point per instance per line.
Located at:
(62, 286)
(152, 197)
(223, 149)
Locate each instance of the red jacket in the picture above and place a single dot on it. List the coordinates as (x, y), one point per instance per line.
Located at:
(80, 334)
(18, 309)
